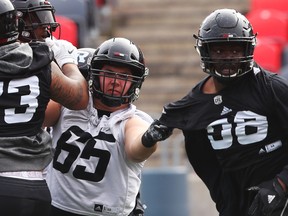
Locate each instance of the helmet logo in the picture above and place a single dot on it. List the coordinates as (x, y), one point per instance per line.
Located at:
(118, 54)
(47, 3)
(227, 35)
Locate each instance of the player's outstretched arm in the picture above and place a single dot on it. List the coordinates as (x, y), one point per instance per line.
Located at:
(141, 139)
(156, 132)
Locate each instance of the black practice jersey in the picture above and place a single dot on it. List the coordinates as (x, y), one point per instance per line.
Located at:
(24, 94)
(25, 79)
(236, 138)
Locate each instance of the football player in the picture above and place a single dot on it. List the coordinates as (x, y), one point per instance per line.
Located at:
(235, 121)
(101, 150)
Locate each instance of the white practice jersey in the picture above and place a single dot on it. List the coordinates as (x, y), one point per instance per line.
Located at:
(91, 174)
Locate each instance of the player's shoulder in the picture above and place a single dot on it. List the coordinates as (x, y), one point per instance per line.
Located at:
(42, 55)
(270, 80)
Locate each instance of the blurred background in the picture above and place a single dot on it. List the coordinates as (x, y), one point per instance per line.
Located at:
(164, 30)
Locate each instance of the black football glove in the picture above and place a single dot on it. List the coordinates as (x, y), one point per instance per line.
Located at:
(270, 197)
(156, 132)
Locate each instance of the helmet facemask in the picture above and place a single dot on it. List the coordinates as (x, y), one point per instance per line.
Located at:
(227, 67)
(114, 98)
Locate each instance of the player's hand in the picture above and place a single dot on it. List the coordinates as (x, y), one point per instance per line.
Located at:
(64, 51)
(156, 132)
(270, 197)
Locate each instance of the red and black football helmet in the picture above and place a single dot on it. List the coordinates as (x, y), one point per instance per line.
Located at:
(33, 14)
(224, 27)
(118, 52)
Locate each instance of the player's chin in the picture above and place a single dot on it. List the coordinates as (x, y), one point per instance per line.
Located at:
(43, 36)
(228, 72)
(113, 93)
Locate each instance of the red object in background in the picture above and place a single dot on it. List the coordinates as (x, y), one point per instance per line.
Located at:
(281, 5)
(100, 3)
(270, 23)
(268, 54)
(68, 30)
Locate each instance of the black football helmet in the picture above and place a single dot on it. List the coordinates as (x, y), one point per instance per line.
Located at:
(33, 14)
(118, 52)
(84, 60)
(224, 27)
(8, 22)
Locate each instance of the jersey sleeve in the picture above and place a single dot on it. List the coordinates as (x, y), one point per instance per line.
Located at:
(279, 87)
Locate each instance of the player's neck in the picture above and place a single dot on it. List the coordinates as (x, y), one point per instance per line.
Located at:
(212, 86)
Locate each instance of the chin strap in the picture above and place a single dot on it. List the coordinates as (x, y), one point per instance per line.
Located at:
(111, 102)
